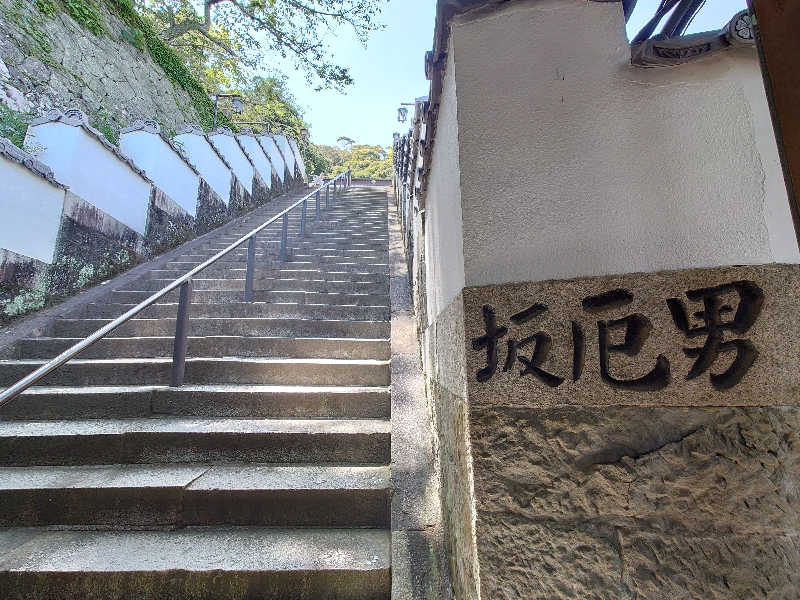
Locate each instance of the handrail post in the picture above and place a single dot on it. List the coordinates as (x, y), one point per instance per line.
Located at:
(335, 181)
(181, 335)
(317, 218)
(284, 236)
(327, 196)
(251, 266)
(303, 220)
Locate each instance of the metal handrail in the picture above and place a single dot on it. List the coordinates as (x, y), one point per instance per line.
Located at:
(185, 283)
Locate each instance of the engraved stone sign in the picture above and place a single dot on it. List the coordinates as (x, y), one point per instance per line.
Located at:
(721, 336)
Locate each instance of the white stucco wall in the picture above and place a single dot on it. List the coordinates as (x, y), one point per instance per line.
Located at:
(273, 154)
(93, 172)
(31, 212)
(298, 157)
(574, 163)
(260, 160)
(206, 161)
(230, 149)
(168, 170)
(286, 149)
(444, 257)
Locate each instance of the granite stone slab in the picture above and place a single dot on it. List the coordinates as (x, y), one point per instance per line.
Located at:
(727, 336)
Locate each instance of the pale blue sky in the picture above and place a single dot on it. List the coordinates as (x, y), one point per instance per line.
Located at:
(391, 70)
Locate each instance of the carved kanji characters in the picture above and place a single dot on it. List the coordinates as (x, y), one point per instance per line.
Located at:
(489, 341)
(637, 330)
(751, 300)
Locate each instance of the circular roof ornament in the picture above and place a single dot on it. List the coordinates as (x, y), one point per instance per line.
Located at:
(741, 29)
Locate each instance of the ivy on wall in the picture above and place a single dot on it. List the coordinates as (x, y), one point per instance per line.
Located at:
(138, 33)
(167, 59)
(86, 13)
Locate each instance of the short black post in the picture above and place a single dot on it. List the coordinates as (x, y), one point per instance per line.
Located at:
(303, 219)
(335, 181)
(181, 335)
(327, 196)
(284, 236)
(319, 215)
(251, 267)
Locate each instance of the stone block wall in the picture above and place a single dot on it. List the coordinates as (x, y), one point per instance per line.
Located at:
(444, 364)
(54, 62)
(591, 480)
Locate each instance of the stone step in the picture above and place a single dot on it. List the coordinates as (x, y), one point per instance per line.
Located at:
(258, 401)
(266, 284)
(288, 310)
(211, 346)
(175, 496)
(297, 296)
(355, 235)
(308, 274)
(322, 287)
(198, 563)
(271, 260)
(182, 440)
(233, 370)
(220, 326)
(376, 253)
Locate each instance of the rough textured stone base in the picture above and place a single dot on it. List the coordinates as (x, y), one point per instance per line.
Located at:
(168, 225)
(211, 209)
(446, 393)
(633, 502)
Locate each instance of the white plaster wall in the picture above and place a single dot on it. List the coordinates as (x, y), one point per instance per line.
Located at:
(31, 212)
(230, 149)
(260, 160)
(273, 154)
(168, 170)
(93, 172)
(444, 256)
(288, 155)
(206, 161)
(574, 163)
(298, 157)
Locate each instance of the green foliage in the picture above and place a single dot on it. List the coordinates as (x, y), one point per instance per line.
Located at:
(23, 303)
(86, 13)
(46, 7)
(70, 274)
(105, 124)
(253, 32)
(38, 44)
(13, 124)
(135, 37)
(368, 162)
(174, 68)
(316, 161)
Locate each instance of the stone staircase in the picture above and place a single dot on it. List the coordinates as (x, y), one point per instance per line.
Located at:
(265, 476)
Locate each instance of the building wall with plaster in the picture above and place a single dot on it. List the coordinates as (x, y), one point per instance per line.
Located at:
(555, 172)
(205, 160)
(232, 152)
(651, 169)
(286, 151)
(77, 158)
(443, 206)
(164, 166)
(32, 210)
(275, 157)
(260, 160)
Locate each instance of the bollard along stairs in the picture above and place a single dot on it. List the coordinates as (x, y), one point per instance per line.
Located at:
(265, 475)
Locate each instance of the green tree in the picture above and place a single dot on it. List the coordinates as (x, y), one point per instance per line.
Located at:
(246, 30)
(369, 162)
